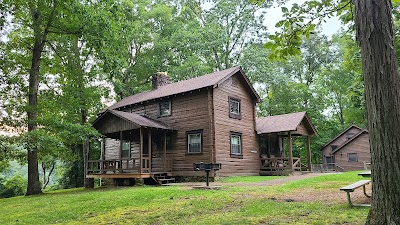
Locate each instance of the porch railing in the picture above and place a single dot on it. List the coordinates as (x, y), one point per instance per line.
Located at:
(131, 165)
(280, 164)
(114, 165)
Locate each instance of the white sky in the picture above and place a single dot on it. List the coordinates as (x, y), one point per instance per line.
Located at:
(274, 14)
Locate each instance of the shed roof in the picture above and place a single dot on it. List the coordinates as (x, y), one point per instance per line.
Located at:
(283, 123)
(212, 79)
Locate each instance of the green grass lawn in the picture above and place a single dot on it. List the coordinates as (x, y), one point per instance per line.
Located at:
(182, 205)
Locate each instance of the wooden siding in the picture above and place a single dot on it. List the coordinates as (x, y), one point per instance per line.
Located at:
(301, 129)
(190, 111)
(111, 149)
(326, 151)
(207, 110)
(114, 124)
(359, 145)
(249, 164)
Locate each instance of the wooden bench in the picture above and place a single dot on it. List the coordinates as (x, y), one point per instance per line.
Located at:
(352, 187)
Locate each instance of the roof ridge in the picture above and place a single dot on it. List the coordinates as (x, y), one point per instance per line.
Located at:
(182, 86)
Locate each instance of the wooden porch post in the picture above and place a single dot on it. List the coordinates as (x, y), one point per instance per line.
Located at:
(308, 153)
(165, 151)
(290, 151)
(141, 150)
(103, 148)
(149, 148)
(120, 152)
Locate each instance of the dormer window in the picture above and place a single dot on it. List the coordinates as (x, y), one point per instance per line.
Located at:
(234, 108)
(165, 108)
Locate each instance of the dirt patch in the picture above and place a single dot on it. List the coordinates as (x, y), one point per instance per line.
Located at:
(327, 196)
(330, 196)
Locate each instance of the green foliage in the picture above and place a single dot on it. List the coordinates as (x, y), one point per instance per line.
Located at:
(14, 186)
(300, 22)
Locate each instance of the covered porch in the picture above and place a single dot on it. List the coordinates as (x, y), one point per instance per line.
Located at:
(274, 132)
(132, 146)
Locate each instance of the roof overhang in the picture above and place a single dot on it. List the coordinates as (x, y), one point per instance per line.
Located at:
(112, 121)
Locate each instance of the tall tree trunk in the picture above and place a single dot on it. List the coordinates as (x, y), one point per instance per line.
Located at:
(382, 86)
(33, 170)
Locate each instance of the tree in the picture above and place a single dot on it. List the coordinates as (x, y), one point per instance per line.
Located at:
(36, 24)
(374, 31)
(375, 35)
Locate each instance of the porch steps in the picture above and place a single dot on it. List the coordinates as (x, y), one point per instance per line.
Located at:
(163, 178)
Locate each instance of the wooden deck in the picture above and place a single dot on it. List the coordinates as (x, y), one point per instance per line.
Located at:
(122, 168)
(279, 166)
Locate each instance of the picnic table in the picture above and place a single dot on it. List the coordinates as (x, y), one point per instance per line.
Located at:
(358, 184)
(365, 174)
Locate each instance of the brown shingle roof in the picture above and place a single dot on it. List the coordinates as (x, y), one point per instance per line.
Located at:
(207, 80)
(281, 123)
(136, 119)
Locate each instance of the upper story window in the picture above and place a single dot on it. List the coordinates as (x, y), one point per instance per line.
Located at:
(352, 157)
(125, 149)
(234, 108)
(236, 144)
(165, 108)
(333, 147)
(349, 136)
(194, 141)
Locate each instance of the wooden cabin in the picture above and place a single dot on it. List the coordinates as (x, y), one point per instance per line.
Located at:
(210, 119)
(273, 131)
(349, 150)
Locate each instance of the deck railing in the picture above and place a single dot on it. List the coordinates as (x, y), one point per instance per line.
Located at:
(131, 165)
(114, 165)
(280, 164)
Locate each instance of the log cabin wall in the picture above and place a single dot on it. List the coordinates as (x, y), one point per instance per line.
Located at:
(190, 111)
(327, 150)
(249, 163)
(360, 146)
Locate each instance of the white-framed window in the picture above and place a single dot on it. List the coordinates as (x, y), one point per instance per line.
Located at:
(194, 141)
(165, 108)
(234, 108)
(236, 144)
(126, 149)
(352, 157)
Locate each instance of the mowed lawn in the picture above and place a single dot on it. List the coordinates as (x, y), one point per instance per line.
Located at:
(314, 200)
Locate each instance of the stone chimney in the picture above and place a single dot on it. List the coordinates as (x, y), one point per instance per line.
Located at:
(160, 79)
